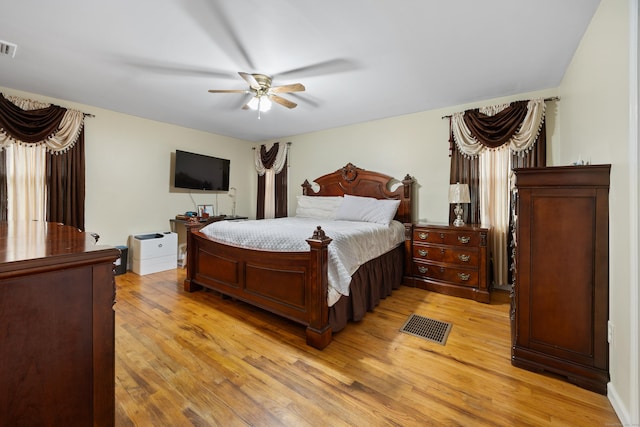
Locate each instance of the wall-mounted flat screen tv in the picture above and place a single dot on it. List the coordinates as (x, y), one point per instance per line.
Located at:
(200, 172)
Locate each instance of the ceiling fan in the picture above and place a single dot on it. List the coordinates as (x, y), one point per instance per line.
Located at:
(263, 92)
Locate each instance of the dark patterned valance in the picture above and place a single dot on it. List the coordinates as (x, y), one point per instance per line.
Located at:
(24, 121)
(517, 124)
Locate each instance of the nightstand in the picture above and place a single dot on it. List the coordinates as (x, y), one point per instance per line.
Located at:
(182, 226)
(451, 260)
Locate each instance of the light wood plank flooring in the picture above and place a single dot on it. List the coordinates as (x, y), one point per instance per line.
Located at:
(197, 359)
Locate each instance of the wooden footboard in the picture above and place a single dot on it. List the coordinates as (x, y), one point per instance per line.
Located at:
(290, 284)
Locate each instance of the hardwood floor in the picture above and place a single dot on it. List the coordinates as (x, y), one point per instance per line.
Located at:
(198, 359)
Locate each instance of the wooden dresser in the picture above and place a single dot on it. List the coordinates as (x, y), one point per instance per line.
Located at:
(560, 306)
(451, 260)
(57, 293)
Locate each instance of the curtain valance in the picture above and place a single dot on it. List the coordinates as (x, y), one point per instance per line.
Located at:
(517, 124)
(275, 158)
(24, 121)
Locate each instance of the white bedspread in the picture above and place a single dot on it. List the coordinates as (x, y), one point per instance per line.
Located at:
(354, 243)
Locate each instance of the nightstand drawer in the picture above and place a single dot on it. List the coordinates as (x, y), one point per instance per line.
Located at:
(459, 276)
(447, 254)
(446, 237)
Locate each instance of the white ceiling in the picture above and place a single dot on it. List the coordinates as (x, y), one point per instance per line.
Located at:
(360, 60)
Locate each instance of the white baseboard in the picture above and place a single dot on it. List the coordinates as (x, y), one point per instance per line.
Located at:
(618, 406)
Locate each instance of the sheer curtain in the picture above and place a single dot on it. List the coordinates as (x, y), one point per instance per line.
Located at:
(27, 190)
(495, 167)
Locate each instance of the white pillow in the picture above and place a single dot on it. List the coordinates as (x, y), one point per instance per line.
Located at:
(321, 207)
(367, 209)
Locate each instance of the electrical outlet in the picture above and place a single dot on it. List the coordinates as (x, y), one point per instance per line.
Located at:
(610, 330)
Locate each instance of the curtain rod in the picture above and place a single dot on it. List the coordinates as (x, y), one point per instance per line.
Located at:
(553, 98)
(88, 115)
(288, 143)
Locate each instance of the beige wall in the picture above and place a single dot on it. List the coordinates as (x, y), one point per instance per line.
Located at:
(594, 124)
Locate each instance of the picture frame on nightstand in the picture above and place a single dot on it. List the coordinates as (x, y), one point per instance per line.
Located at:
(205, 211)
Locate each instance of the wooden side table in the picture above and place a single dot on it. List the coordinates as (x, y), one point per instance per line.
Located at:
(183, 226)
(451, 260)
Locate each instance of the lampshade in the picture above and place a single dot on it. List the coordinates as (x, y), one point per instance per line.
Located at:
(459, 193)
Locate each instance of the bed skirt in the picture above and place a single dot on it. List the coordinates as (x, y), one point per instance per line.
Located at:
(372, 282)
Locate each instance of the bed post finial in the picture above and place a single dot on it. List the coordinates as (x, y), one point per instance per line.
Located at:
(408, 185)
(305, 187)
(320, 235)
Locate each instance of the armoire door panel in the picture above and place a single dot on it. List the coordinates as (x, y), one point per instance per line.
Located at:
(564, 274)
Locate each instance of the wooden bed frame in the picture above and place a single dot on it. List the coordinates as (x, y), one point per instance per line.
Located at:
(292, 284)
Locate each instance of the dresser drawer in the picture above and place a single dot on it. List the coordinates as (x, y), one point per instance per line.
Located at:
(446, 237)
(459, 276)
(447, 254)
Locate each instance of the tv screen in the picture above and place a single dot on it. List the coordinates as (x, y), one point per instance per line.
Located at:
(200, 172)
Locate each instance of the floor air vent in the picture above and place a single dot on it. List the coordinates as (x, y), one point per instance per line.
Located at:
(7, 49)
(429, 329)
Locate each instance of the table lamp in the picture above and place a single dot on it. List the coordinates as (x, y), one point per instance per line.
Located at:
(459, 193)
(233, 192)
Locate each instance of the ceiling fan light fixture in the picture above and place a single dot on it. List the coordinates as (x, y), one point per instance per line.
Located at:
(264, 95)
(253, 104)
(264, 104)
(261, 103)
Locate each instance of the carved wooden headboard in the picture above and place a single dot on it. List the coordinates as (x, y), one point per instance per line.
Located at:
(360, 182)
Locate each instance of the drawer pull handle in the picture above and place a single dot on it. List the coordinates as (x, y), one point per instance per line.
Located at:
(423, 236)
(423, 269)
(464, 257)
(464, 239)
(464, 276)
(423, 252)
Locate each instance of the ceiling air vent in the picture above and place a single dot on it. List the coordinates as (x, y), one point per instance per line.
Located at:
(8, 49)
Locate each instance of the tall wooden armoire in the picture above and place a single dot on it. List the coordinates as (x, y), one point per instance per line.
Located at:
(560, 303)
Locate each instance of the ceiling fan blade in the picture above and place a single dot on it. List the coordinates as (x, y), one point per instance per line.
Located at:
(296, 87)
(243, 101)
(302, 99)
(331, 66)
(284, 102)
(173, 69)
(229, 91)
(215, 21)
(253, 83)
